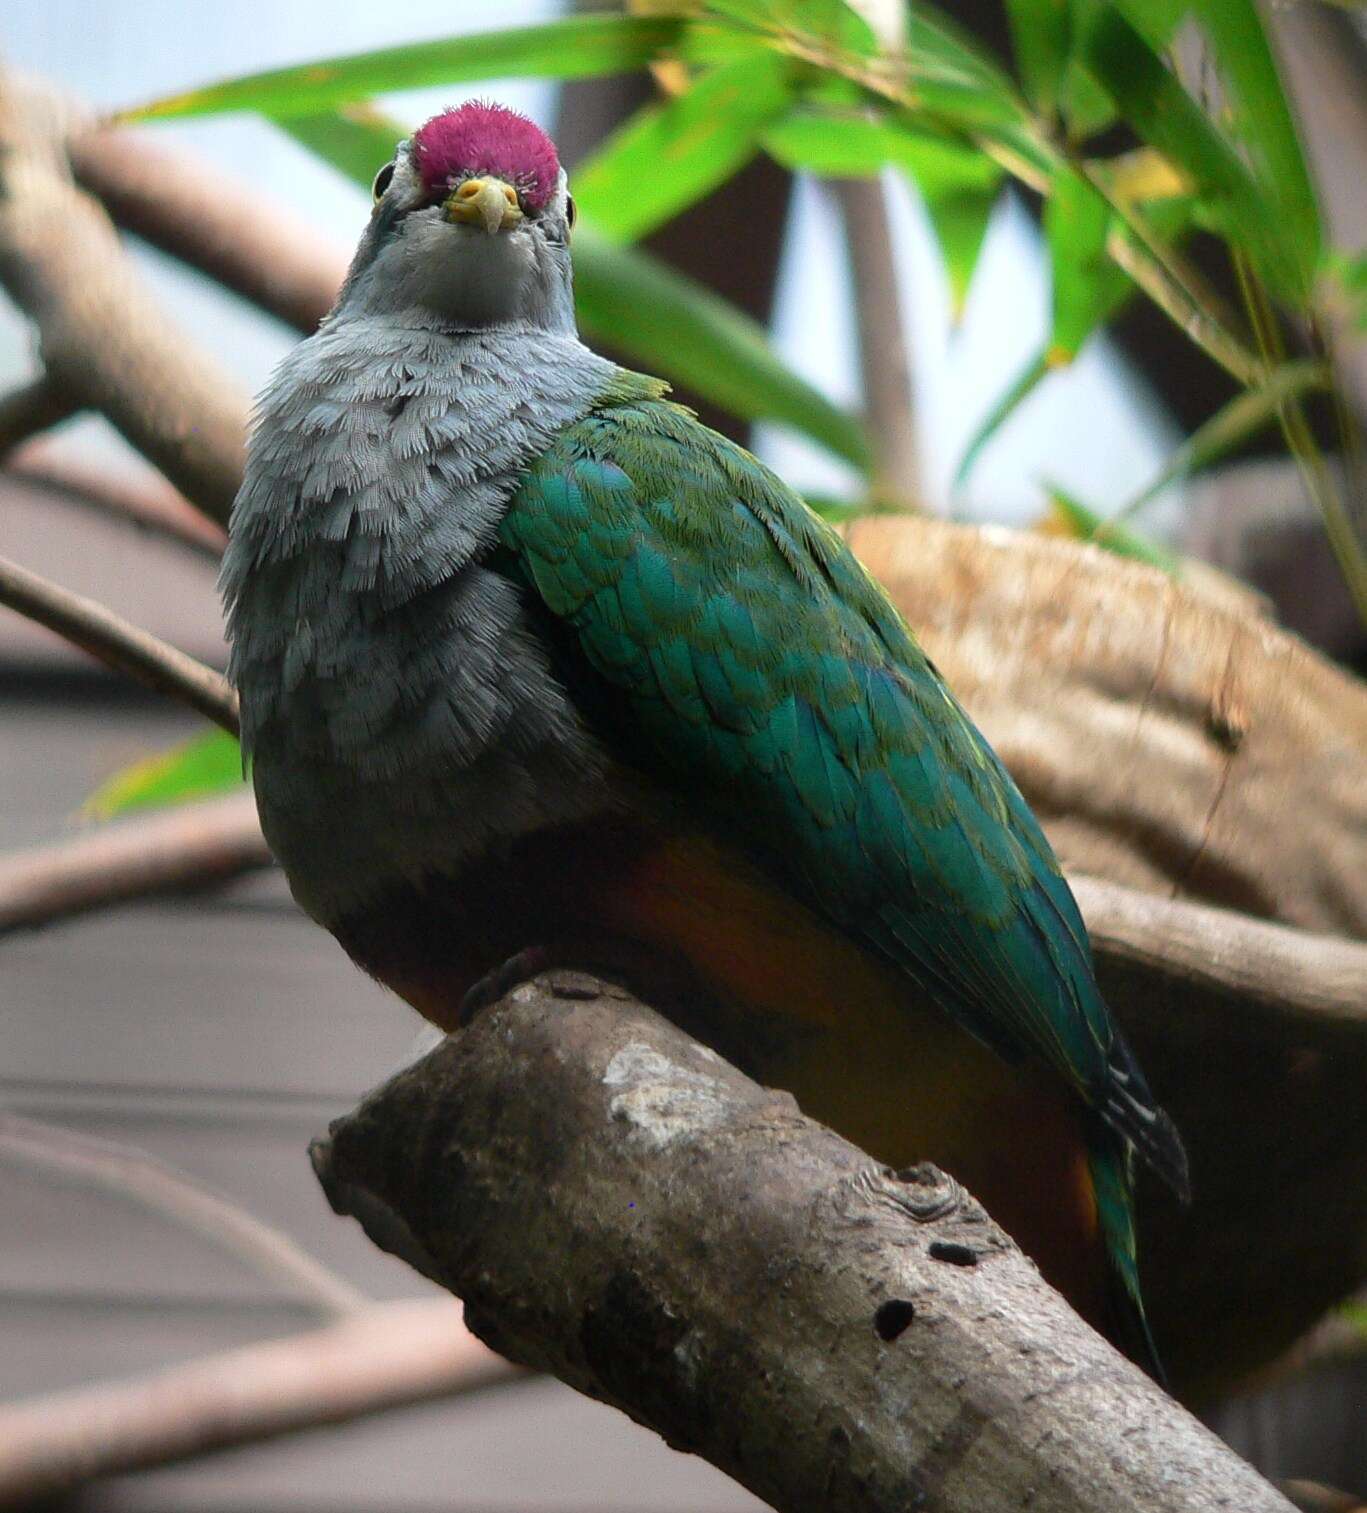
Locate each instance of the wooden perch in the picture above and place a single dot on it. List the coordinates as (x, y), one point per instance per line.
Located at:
(669, 1237)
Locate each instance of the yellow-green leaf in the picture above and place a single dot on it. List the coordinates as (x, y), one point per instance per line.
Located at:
(667, 156)
(571, 48)
(197, 769)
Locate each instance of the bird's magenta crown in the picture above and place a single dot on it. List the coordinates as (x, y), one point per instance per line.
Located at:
(481, 137)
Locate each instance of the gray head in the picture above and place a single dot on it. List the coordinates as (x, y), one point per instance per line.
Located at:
(471, 224)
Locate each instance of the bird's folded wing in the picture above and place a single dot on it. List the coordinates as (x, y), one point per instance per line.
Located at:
(734, 646)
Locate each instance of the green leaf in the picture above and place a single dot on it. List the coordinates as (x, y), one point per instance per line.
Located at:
(1347, 272)
(1070, 517)
(858, 144)
(576, 47)
(670, 323)
(1087, 286)
(1042, 39)
(1022, 385)
(678, 327)
(957, 183)
(960, 222)
(1155, 104)
(827, 23)
(207, 765)
(1263, 120)
(667, 156)
(1244, 416)
(357, 139)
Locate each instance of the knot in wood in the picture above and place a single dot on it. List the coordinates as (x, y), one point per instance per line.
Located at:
(927, 1193)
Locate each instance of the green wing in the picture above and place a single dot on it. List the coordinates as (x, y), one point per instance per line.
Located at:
(766, 674)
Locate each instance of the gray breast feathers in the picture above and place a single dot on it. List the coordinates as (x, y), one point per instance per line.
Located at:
(398, 707)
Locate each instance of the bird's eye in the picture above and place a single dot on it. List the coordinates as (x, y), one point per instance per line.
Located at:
(571, 212)
(383, 180)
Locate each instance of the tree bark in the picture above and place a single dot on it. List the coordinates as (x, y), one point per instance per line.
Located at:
(671, 1238)
(104, 342)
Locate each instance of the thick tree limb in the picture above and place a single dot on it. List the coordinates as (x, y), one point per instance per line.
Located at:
(150, 505)
(105, 343)
(669, 1237)
(388, 1356)
(249, 246)
(120, 645)
(191, 846)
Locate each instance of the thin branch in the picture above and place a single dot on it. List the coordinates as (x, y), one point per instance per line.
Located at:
(691, 1249)
(151, 505)
(120, 645)
(27, 411)
(1261, 971)
(140, 1178)
(105, 341)
(193, 846)
(389, 1356)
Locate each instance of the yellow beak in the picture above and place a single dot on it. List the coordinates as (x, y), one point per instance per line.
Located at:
(485, 202)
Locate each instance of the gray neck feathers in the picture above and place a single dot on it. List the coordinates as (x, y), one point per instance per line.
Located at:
(382, 669)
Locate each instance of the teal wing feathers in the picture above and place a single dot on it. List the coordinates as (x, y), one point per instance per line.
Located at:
(766, 673)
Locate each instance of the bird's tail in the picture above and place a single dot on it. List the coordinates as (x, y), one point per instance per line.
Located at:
(1112, 1165)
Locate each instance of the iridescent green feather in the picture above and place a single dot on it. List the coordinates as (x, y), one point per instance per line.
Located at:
(765, 674)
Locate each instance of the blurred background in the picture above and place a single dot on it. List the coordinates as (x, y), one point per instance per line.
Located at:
(220, 1032)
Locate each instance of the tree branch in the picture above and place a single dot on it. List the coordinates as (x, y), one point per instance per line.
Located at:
(216, 225)
(388, 1356)
(26, 411)
(134, 1175)
(151, 505)
(685, 1245)
(1273, 979)
(120, 645)
(188, 847)
(105, 343)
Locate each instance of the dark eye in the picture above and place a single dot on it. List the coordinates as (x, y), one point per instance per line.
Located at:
(571, 212)
(383, 180)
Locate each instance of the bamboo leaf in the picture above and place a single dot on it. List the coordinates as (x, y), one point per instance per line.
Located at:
(667, 156)
(1021, 386)
(670, 323)
(957, 183)
(206, 765)
(357, 140)
(827, 23)
(681, 329)
(1155, 104)
(1042, 39)
(575, 47)
(1263, 118)
(1068, 516)
(1087, 285)
(1244, 416)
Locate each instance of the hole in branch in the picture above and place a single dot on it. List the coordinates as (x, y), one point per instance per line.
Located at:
(893, 1317)
(955, 1255)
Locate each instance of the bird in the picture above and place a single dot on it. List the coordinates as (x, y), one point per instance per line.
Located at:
(536, 669)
